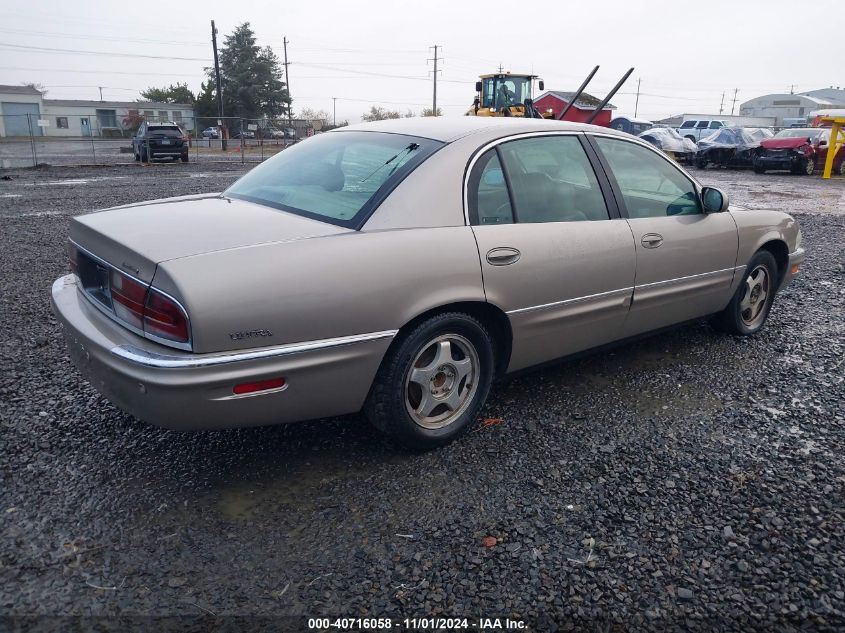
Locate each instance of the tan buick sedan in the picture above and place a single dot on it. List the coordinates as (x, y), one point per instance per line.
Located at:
(400, 267)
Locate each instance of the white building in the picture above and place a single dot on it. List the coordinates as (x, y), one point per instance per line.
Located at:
(834, 95)
(24, 111)
(787, 108)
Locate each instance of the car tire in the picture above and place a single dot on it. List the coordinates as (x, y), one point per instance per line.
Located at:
(185, 158)
(841, 170)
(758, 169)
(452, 356)
(144, 156)
(805, 167)
(747, 311)
(701, 163)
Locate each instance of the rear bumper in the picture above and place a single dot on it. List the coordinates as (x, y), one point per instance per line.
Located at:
(185, 391)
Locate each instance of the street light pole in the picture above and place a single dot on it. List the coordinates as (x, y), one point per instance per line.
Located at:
(334, 111)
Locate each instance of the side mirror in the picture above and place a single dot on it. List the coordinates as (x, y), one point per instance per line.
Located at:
(478, 86)
(541, 85)
(714, 200)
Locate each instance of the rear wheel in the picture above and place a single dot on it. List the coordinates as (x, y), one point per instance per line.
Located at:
(841, 170)
(749, 308)
(758, 169)
(433, 381)
(700, 162)
(185, 158)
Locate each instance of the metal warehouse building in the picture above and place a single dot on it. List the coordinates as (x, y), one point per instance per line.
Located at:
(792, 106)
(24, 111)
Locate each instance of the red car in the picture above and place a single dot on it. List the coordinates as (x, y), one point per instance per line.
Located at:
(799, 150)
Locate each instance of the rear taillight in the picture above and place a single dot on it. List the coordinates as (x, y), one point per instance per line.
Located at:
(128, 298)
(164, 318)
(131, 301)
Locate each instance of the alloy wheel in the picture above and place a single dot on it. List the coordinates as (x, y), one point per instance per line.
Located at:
(752, 307)
(442, 381)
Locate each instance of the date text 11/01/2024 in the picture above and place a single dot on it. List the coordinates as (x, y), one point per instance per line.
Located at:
(437, 624)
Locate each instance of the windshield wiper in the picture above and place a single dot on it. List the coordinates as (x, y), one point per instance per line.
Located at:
(411, 147)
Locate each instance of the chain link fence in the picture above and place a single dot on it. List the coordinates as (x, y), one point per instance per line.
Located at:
(28, 140)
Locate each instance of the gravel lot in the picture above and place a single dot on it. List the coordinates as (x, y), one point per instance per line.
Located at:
(688, 481)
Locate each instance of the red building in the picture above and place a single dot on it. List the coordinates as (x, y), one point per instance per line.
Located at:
(557, 100)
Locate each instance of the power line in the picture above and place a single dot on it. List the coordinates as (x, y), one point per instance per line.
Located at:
(92, 72)
(101, 37)
(41, 49)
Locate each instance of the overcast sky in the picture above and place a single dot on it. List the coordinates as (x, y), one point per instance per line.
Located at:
(686, 54)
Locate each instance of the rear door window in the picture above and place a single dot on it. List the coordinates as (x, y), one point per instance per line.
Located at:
(702, 125)
(552, 180)
(687, 125)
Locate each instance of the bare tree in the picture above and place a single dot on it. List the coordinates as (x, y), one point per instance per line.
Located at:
(36, 86)
(377, 113)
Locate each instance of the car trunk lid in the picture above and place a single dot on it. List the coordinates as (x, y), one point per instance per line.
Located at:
(134, 238)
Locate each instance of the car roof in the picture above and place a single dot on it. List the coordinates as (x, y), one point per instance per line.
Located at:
(447, 129)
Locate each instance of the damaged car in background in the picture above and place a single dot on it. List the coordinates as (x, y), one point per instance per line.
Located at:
(670, 142)
(731, 147)
(799, 151)
(400, 267)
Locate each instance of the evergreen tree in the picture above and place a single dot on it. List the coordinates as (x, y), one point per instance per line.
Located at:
(179, 93)
(206, 103)
(251, 77)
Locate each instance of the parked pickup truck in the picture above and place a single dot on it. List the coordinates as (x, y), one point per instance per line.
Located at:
(697, 129)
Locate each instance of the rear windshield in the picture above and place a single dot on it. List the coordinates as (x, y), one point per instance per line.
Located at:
(339, 177)
(170, 131)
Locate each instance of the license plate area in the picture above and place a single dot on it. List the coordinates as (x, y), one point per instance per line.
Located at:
(95, 279)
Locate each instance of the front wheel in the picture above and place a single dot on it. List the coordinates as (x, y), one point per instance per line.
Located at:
(805, 166)
(749, 308)
(433, 381)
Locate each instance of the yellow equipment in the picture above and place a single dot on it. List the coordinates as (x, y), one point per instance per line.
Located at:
(512, 94)
(503, 94)
(836, 142)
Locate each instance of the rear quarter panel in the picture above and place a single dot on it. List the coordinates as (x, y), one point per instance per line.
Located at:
(324, 287)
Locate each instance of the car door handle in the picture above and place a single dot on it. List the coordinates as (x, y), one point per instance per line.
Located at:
(502, 256)
(652, 240)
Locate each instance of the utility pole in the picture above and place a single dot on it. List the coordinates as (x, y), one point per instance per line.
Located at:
(218, 90)
(722, 103)
(287, 81)
(334, 111)
(733, 105)
(434, 99)
(792, 89)
(637, 102)
(101, 93)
